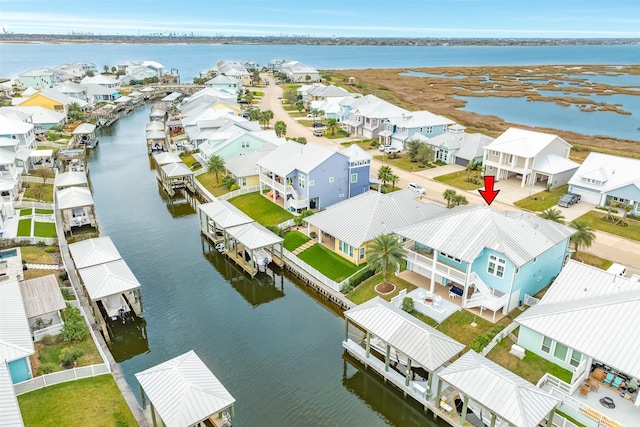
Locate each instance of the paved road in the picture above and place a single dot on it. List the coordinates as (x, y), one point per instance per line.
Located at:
(608, 246)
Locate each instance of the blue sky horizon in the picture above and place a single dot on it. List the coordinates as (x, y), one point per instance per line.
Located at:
(353, 18)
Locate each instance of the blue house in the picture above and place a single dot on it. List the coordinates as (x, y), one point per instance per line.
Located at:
(400, 130)
(16, 344)
(489, 258)
(312, 176)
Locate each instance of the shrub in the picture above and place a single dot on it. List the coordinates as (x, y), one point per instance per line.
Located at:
(348, 287)
(63, 276)
(68, 355)
(75, 328)
(45, 368)
(407, 305)
(313, 234)
(49, 339)
(50, 250)
(360, 277)
(41, 243)
(66, 294)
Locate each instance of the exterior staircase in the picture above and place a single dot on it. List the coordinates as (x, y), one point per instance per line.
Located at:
(485, 298)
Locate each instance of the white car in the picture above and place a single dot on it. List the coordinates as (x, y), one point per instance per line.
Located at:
(389, 149)
(416, 187)
(383, 147)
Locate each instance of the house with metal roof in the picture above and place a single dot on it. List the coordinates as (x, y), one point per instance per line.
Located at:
(16, 344)
(455, 146)
(51, 99)
(603, 177)
(20, 133)
(353, 223)
(76, 206)
(491, 259)
(40, 78)
(532, 157)
(183, 392)
(476, 387)
(244, 169)
(312, 176)
(226, 84)
(583, 325)
(398, 131)
(101, 80)
(412, 352)
(42, 118)
(367, 115)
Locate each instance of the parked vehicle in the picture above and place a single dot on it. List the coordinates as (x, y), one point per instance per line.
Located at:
(416, 187)
(391, 150)
(317, 125)
(568, 200)
(383, 147)
(317, 133)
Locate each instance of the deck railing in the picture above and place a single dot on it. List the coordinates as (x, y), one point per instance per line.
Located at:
(441, 268)
(60, 377)
(312, 271)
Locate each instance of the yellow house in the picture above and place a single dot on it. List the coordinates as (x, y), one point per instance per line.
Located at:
(51, 100)
(243, 168)
(355, 222)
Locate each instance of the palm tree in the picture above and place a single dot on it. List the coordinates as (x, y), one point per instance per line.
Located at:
(280, 128)
(448, 196)
(626, 208)
(584, 235)
(552, 214)
(610, 205)
(332, 126)
(384, 174)
(315, 113)
(458, 199)
(383, 253)
(394, 179)
(215, 165)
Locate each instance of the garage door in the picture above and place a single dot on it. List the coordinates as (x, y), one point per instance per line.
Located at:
(587, 196)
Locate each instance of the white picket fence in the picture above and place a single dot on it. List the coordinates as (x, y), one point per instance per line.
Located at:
(28, 204)
(36, 240)
(312, 271)
(60, 377)
(240, 192)
(50, 330)
(499, 336)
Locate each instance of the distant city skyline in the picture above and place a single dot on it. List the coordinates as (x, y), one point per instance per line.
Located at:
(352, 18)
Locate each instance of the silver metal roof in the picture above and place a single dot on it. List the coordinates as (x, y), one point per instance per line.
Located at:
(224, 214)
(154, 125)
(110, 278)
(15, 334)
(254, 236)
(364, 217)
(70, 179)
(9, 409)
(184, 391)
(176, 170)
(87, 253)
(292, 156)
(155, 134)
(524, 143)
(510, 397)
(464, 232)
(84, 128)
(74, 197)
(419, 341)
(588, 310)
(41, 296)
(165, 158)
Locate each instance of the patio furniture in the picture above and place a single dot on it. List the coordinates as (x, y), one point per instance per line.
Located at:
(599, 374)
(455, 292)
(609, 378)
(585, 388)
(617, 382)
(607, 402)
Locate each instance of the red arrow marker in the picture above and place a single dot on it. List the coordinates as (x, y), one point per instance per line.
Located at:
(488, 194)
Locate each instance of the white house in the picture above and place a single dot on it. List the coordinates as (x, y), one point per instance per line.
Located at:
(102, 81)
(533, 157)
(299, 73)
(455, 146)
(401, 130)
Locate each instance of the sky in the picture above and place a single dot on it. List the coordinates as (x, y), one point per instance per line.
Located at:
(347, 18)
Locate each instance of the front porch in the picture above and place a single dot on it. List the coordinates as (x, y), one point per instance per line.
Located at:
(280, 190)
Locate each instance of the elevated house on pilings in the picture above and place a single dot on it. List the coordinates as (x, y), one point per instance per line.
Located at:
(85, 134)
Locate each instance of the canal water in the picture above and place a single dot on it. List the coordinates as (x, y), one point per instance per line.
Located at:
(274, 345)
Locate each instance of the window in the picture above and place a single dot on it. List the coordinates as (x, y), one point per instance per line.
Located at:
(354, 178)
(546, 345)
(450, 257)
(496, 266)
(330, 179)
(560, 351)
(345, 248)
(495, 153)
(245, 144)
(429, 129)
(361, 253)
(243, 181)
(575, 358)
(301, 182)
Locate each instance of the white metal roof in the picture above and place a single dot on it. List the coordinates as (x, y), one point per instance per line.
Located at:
(9, 409)
(15, 334)
(154, 125)
(176, 170)
(41, 296)
(87, 253)
(524, 143)
(419, 341)
(74, 197)
(155, 134)
(224, 214)
(254, 236)
(464, 232)
(84, 128)
(70, 179)
(510, 397)
(588, 310)
(356, 154)
(292, 156)
(110, 278)
(246, 164)
(364, 217)
(173, 96)
(554, 164)
(184, 391)
(612, 171)
(164, 158)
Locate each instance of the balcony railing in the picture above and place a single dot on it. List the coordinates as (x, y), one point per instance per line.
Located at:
(442, 269)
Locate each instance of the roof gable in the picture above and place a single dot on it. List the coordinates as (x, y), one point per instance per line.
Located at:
(524, 143)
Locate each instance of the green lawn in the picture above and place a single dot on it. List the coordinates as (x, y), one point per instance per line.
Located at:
(594, 260)
(44, 229)
(261, 209)
(51, 354)
(387, 188)
(188, 160)
(401, 161)
(459, 180)
(24, 227)
(26, 212)
(339, 134)
(593, 218)
(365, 144)
(542, 200)
(366, 290)
(44, 211)
(458, 326)
(31, 192)
(209, 181)
(328, 263)
(93, 401)
(35, 255)
(294, 240)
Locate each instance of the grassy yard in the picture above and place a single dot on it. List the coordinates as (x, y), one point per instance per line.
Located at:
(366, 290)
(594, 260)
(531, 368)
(44, 211)
(44, 229)
(31, 192)
(594, 220)
(387, 188)
(86, 402)
(209, 182)
(35, 255)
(294, 240)
(33, 274)
(328, 263)
(50, 354)
(458, 326)
(26, 212)
(459, 180)
(339, 134)
(261, 209)
(188, 160)
(542, 200)
(24, 227)
(365, 144)
(401, 161)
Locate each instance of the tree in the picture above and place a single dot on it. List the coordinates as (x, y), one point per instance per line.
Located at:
(315, 113)
(290, 95)
(265, 117)
(256, 76)
(384, 253)
(413, 146)
(584, 235)
(44, 173)
(626, 208)
(425, 154)
(332, 126)
(254, 114)
(448, 196)
(113, 69)
(384, 174)
(394, 179)
(215, 165)
(75, 112)
(106, 69)
(299, 105)
(89, 73)
(609, 215)
(458, 200)
(552, 214)
(281, 128)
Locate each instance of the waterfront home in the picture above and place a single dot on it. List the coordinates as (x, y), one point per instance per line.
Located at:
(40, 78)
(299, 73)
(225, 84)
(602, 178)
(398, 131)
(16, 344)
(477, 389)
(367, 115)
(275, 64)
(353, 223)
(98, 93)
(236, 70)
(18, 133)
(70, 179)
(10, 181)
(234, 139)
(489, 259)
(410, 352)
(53, 100)
(72, 90)
(76, 70)
(312, 176)
(43, 119)
(183, 392)
(30, 159)
(244, 169)
(532, 157)
(130, 67)
(455, 146)
(84, 134)
(138, 74)
(101, 80)
(43, 304)
(583, 325)
(76, 207)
